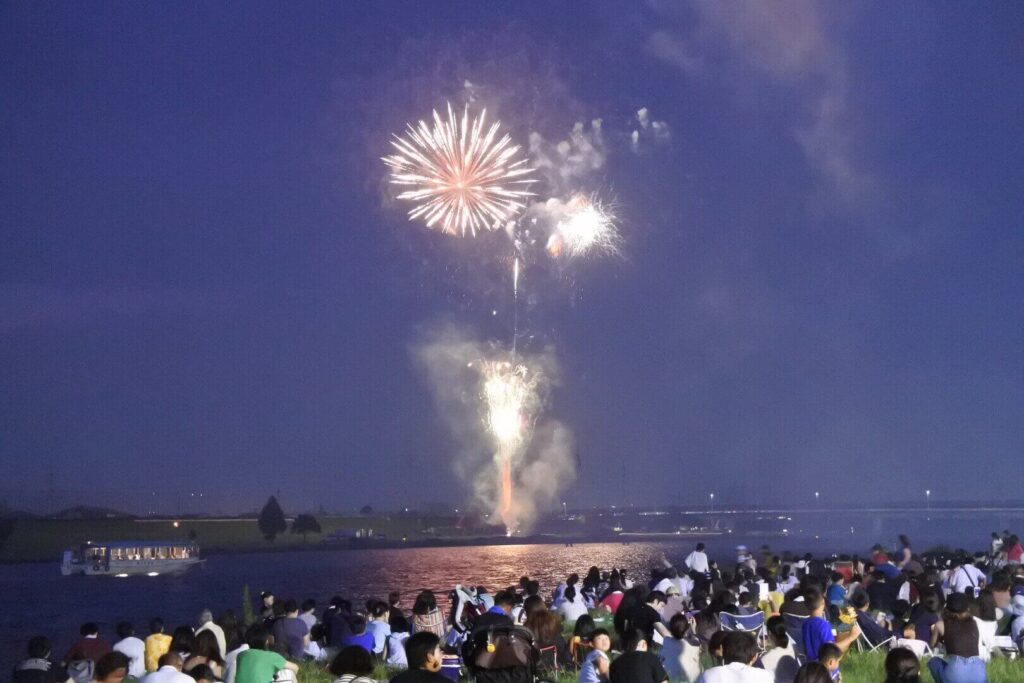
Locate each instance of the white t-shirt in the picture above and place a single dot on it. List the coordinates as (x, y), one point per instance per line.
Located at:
(736, 672)
(781, 662)
(681, 659)
(135, 650)
(966, 577)
(218, 633)
(697, 561)
(231, 662)
(571, 611)
(168, 674)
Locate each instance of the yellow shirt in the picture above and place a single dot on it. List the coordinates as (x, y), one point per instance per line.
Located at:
(157, 645)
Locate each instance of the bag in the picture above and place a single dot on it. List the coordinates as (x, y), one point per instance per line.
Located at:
(81, 670)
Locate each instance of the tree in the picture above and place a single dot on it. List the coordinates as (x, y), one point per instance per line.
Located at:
(305, 524)
(271, 521)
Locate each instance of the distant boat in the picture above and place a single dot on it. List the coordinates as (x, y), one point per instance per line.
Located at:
(130, 558)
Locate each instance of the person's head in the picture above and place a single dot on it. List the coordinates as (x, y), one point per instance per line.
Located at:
(836, 578)
(89, 629)
(268, 598)
(207, 647)
(380, 611)
(533, 604)
(569, 594)
(829, 654)
(776, 628)
(679, 626)
(257, 638)
(205, 617)
(813, 672)
(656, 599)
(860, 601)
(183, 639)
(505, 599)
(203, 673)
(904, 541)
(172, 659)
(957, 607)
(125, 629)
(156, 625)
(634, 640)
(739, 647)
(815, 602)
(700, 547)
(744, 600)
(600, 639)
(353, 659)
(308, 605)
(545, 625)
(584, 626)
(111, 667)
(425, 603)
(423, 651)
(358, 624)
(39, 647)
(902, 666)
(394, 598)
(291, 608)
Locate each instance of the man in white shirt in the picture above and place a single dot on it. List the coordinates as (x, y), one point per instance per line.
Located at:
(169, 671)
(697, 561)
(132, 648)
(966, 578)
(231, 662)
(206, 623)
(739, 651)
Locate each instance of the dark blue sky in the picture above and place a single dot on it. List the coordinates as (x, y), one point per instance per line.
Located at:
(204, 285)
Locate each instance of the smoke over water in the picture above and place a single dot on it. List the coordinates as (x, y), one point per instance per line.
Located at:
(493, 403)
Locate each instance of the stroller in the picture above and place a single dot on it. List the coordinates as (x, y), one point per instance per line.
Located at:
(502, 654)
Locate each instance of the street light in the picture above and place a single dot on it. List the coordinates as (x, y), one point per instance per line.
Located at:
(928, 499)
(712, 502)
(816, 494)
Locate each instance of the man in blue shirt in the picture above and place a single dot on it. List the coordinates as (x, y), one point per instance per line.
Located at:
(816, 630)
(498, 615)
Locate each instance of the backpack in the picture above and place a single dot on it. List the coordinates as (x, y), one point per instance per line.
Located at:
(81, 670)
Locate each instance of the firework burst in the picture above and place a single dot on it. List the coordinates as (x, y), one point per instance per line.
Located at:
(462, 177)
(588, 226)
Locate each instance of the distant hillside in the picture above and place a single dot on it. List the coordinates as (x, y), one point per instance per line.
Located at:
(87, 512)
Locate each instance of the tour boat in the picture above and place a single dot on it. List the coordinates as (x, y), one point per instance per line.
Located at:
(130, 558)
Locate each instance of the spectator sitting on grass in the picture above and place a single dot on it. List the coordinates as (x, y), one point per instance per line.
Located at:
(423, 652)
(111, 668)
(352, 665)
(816, 630)
(158, 644)
(168, 670)
(829, 655)
(636, 664)
(902, 666)
(739, 652)
(595, 666)
(259, 664)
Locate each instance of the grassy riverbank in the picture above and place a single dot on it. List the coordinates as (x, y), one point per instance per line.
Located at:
(857, 668)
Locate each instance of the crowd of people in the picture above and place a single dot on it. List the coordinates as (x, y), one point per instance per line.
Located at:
(778, 619)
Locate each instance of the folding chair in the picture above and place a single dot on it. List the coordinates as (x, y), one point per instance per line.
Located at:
(918, 647)
(747, 623)
(795, 631)
(865, 645)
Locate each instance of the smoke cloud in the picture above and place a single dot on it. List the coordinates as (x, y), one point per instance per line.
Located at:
(450, 357)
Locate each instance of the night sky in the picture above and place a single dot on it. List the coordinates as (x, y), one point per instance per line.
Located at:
(205, 285)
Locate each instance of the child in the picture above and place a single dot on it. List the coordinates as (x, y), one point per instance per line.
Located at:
(829, 655)
(595, 666)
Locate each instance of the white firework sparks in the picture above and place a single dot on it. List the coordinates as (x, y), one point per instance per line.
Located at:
(462, 178)
(588, 227)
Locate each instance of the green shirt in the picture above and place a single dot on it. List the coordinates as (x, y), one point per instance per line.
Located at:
(258, 666)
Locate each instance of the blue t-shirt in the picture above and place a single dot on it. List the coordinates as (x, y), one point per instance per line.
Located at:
(363, 640)
(380, 630)
(836, 594)
(816, 631)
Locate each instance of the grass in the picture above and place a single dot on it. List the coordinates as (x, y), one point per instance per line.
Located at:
(858, 667)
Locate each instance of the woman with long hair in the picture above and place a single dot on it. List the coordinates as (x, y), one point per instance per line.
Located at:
(959, 633)
(426, 616)
(206, 651)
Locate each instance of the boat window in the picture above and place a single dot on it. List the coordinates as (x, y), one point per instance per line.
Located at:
(161, 553)
(147, 553)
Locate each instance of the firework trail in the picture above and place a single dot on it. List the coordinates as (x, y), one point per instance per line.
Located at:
(461, 177)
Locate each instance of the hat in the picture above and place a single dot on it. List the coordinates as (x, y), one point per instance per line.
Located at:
(672, 590)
